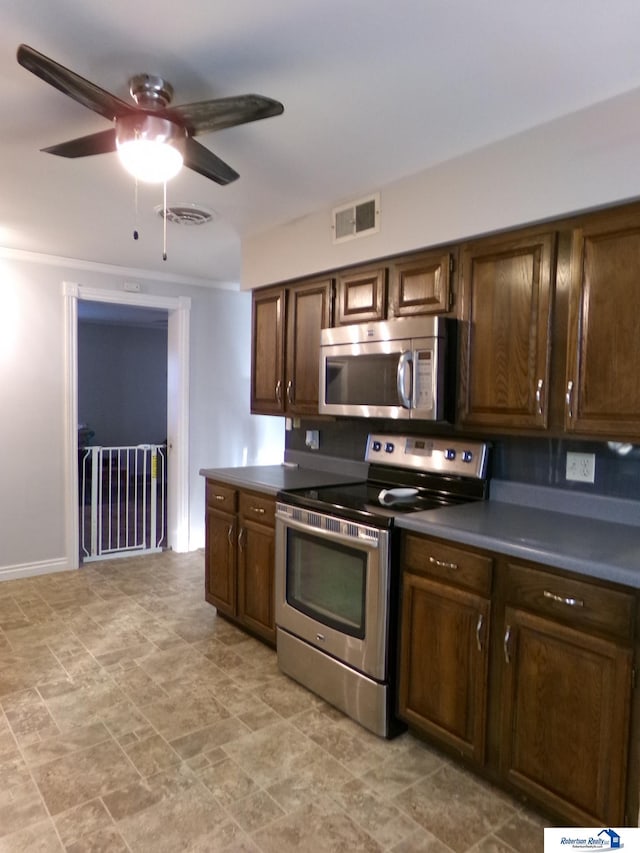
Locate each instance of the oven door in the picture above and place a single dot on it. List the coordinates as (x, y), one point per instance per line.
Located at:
(332, 586)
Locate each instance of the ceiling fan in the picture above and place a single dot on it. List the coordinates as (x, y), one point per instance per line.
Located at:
(152, 124)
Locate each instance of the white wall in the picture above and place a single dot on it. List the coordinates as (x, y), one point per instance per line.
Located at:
(581, 161)
(33, 517)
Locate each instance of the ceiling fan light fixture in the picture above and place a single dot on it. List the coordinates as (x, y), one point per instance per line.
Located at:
(150, 147)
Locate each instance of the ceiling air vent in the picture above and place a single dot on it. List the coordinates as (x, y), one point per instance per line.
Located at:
(356, 219)
(186, 214)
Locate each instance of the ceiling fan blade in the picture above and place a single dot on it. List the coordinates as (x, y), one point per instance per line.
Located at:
(205, 162)
(71, 84)
(85, 146)
(206, 116)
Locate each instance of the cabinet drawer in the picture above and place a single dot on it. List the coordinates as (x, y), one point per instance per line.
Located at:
(221, 496)
(260, 508)
(447, 562)
(580, 603)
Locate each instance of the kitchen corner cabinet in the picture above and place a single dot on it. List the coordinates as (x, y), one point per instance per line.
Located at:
(444, 643)
(421, 284)
(506, 293)
(538, 699)
(285, 341)
(603, 382)
(361, 295)
(239, 557)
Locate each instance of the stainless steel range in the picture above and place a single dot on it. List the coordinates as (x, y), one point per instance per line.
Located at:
(337, 573)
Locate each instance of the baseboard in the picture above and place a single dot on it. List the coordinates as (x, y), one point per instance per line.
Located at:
(27, 570)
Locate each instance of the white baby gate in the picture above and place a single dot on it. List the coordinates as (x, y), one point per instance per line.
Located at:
(122, 500)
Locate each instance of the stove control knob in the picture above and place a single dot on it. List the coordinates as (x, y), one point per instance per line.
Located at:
(450, 454)
(377, 446)
(389, 447)
(467, 456)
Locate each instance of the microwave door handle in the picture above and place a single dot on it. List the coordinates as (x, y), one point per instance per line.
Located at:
(405, 358)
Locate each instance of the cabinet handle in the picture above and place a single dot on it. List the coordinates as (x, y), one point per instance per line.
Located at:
(290, 392)
(442, 564)
(539, 395)
(568, 398)
(230, 535)
(561, 599)
(258, 510)
(240, 537)
(278, 391)
(479, 625)
(220, 497)
(505, 644)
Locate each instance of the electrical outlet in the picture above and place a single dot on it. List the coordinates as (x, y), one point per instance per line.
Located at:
(581, 467)
(312, 439)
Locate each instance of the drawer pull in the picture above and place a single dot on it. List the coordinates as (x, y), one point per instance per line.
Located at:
(479, 625)
(505, 644)
(561, 599)
(442, 564)
(258, 510)
(220, 497)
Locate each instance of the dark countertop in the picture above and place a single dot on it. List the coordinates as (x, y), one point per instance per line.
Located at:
(589, 546)
(273, 478)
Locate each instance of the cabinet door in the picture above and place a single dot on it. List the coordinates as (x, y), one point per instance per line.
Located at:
(505, 344)
(256, 595)
(443, 663)
(267, 351)
(308, 311)
(566, 718)
(421, 285)
(361, 296)
(603, 382)
(220, 561)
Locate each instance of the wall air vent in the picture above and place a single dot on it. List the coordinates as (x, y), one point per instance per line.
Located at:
(356, 219)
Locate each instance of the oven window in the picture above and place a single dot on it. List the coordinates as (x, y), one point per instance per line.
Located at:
(327, 581)
(363, 380)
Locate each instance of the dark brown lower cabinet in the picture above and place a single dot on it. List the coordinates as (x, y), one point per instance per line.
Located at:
(239, 557)
(443, 684)
(539, 702)
(567, 697)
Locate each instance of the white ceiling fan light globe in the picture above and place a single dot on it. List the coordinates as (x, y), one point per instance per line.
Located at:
(150, 147)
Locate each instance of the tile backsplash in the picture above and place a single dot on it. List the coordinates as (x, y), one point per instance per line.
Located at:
(536, 461)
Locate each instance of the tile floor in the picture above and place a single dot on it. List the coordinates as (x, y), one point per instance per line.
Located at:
(133, 719)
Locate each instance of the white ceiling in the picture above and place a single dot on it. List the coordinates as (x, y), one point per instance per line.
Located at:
(373, 90)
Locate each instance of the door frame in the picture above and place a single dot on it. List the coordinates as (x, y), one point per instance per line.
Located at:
(178, 308)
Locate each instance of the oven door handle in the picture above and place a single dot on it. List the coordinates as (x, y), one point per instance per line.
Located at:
(405, 359)
(361, 542)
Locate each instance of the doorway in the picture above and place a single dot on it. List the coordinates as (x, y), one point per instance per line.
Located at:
(176, 310)
(122, 429)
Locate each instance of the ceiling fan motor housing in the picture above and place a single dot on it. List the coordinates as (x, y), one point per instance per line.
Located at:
(150, 92)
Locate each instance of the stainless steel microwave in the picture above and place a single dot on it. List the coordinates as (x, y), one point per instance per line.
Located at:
(391, 369)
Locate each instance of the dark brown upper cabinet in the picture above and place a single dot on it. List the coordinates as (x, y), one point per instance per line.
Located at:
(361, 295)
(602, 395)
(506, 294)
(285, 344)
(421, 284)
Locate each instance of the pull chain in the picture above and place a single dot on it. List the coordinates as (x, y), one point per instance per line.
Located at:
(164, 223)
(135, 209)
